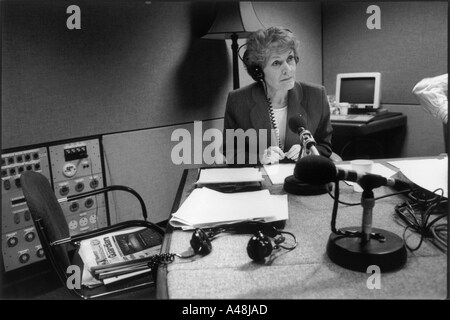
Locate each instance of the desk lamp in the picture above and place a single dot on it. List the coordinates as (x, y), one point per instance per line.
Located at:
(234, 20)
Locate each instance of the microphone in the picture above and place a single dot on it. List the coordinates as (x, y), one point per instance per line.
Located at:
(293, 184)
(356, 248)
(298, 126)
(321, 170)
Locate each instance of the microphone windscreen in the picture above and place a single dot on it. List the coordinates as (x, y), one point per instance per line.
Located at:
(315, 169)
(295, 123)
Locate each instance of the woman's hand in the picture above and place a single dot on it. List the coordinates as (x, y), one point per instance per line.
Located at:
(294, 152)
(272, 154)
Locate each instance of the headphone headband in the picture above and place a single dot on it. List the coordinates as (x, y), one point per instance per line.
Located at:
(253, 69)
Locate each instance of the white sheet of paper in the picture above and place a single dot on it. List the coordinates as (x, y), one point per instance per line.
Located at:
(229, 175)
(206, 207)
(377, 168)
(429, 174)
(278, 172)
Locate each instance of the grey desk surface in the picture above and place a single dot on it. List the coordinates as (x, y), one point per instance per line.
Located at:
(305, 272)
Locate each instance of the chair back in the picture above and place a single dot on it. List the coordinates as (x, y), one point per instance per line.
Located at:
(48, 216)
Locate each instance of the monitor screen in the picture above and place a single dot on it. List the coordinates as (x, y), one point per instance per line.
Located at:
(360, 90)
(357, 90)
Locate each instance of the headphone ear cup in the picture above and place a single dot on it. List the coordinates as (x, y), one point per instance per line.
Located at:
(256, 73)
(253, 70)
(200, 242)
(259, 247)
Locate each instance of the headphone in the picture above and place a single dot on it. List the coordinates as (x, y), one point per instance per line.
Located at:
(260, 245)
(255, 70)
(201, 242)
(258, 248)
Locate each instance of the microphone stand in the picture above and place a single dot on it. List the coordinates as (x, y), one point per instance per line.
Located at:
(358, 248)
(295, 186)
(367, 202)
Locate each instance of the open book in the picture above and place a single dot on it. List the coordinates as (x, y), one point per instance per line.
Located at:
(118, 255)
(208, 208)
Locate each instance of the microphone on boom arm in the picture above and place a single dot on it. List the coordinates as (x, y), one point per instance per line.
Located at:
(319, 171)
(356, 248)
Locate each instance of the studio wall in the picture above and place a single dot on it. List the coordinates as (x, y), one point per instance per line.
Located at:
(132, 65)
(304, 19)
(412, 44)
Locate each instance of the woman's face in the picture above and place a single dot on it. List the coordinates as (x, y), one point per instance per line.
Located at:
(279, 72)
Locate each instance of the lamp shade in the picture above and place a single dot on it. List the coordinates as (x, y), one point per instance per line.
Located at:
(236, 18)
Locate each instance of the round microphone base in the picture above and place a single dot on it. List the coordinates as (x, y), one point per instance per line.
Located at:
(293, 185)
(348, 252)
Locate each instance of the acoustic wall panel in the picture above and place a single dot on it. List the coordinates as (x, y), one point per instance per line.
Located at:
(304, 19)
(142, 160)
(411, 44)
(132, 65)
(425, 133)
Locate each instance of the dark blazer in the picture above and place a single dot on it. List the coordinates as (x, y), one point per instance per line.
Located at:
(247, 108)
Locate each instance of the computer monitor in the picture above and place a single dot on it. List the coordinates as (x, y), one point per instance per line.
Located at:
(361, 90)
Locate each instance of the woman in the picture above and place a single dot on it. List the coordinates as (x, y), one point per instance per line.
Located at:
(266, 106)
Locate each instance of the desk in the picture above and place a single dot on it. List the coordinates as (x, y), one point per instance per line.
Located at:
(305, 272)
(377, 139)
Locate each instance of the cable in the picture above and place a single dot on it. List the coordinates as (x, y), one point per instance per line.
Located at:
(282, 239)
(440, 239)
(273, 122)
(378, 198)
(416, 217)
(269, 102)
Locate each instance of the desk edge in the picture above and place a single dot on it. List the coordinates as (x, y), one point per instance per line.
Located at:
(161, 277)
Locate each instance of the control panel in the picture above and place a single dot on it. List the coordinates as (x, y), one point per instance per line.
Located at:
(20, 243)
(71, 168)
(77, 168)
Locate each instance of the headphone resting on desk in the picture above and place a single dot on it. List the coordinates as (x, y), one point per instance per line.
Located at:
(258, 247)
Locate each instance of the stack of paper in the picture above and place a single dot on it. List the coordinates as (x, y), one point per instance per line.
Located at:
(279, 172)
(208, 208)
(430, 174)
(229, 175)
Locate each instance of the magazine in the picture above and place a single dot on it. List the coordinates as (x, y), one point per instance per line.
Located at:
(118, 255)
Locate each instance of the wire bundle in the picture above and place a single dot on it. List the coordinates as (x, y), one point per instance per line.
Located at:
(422, 216)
